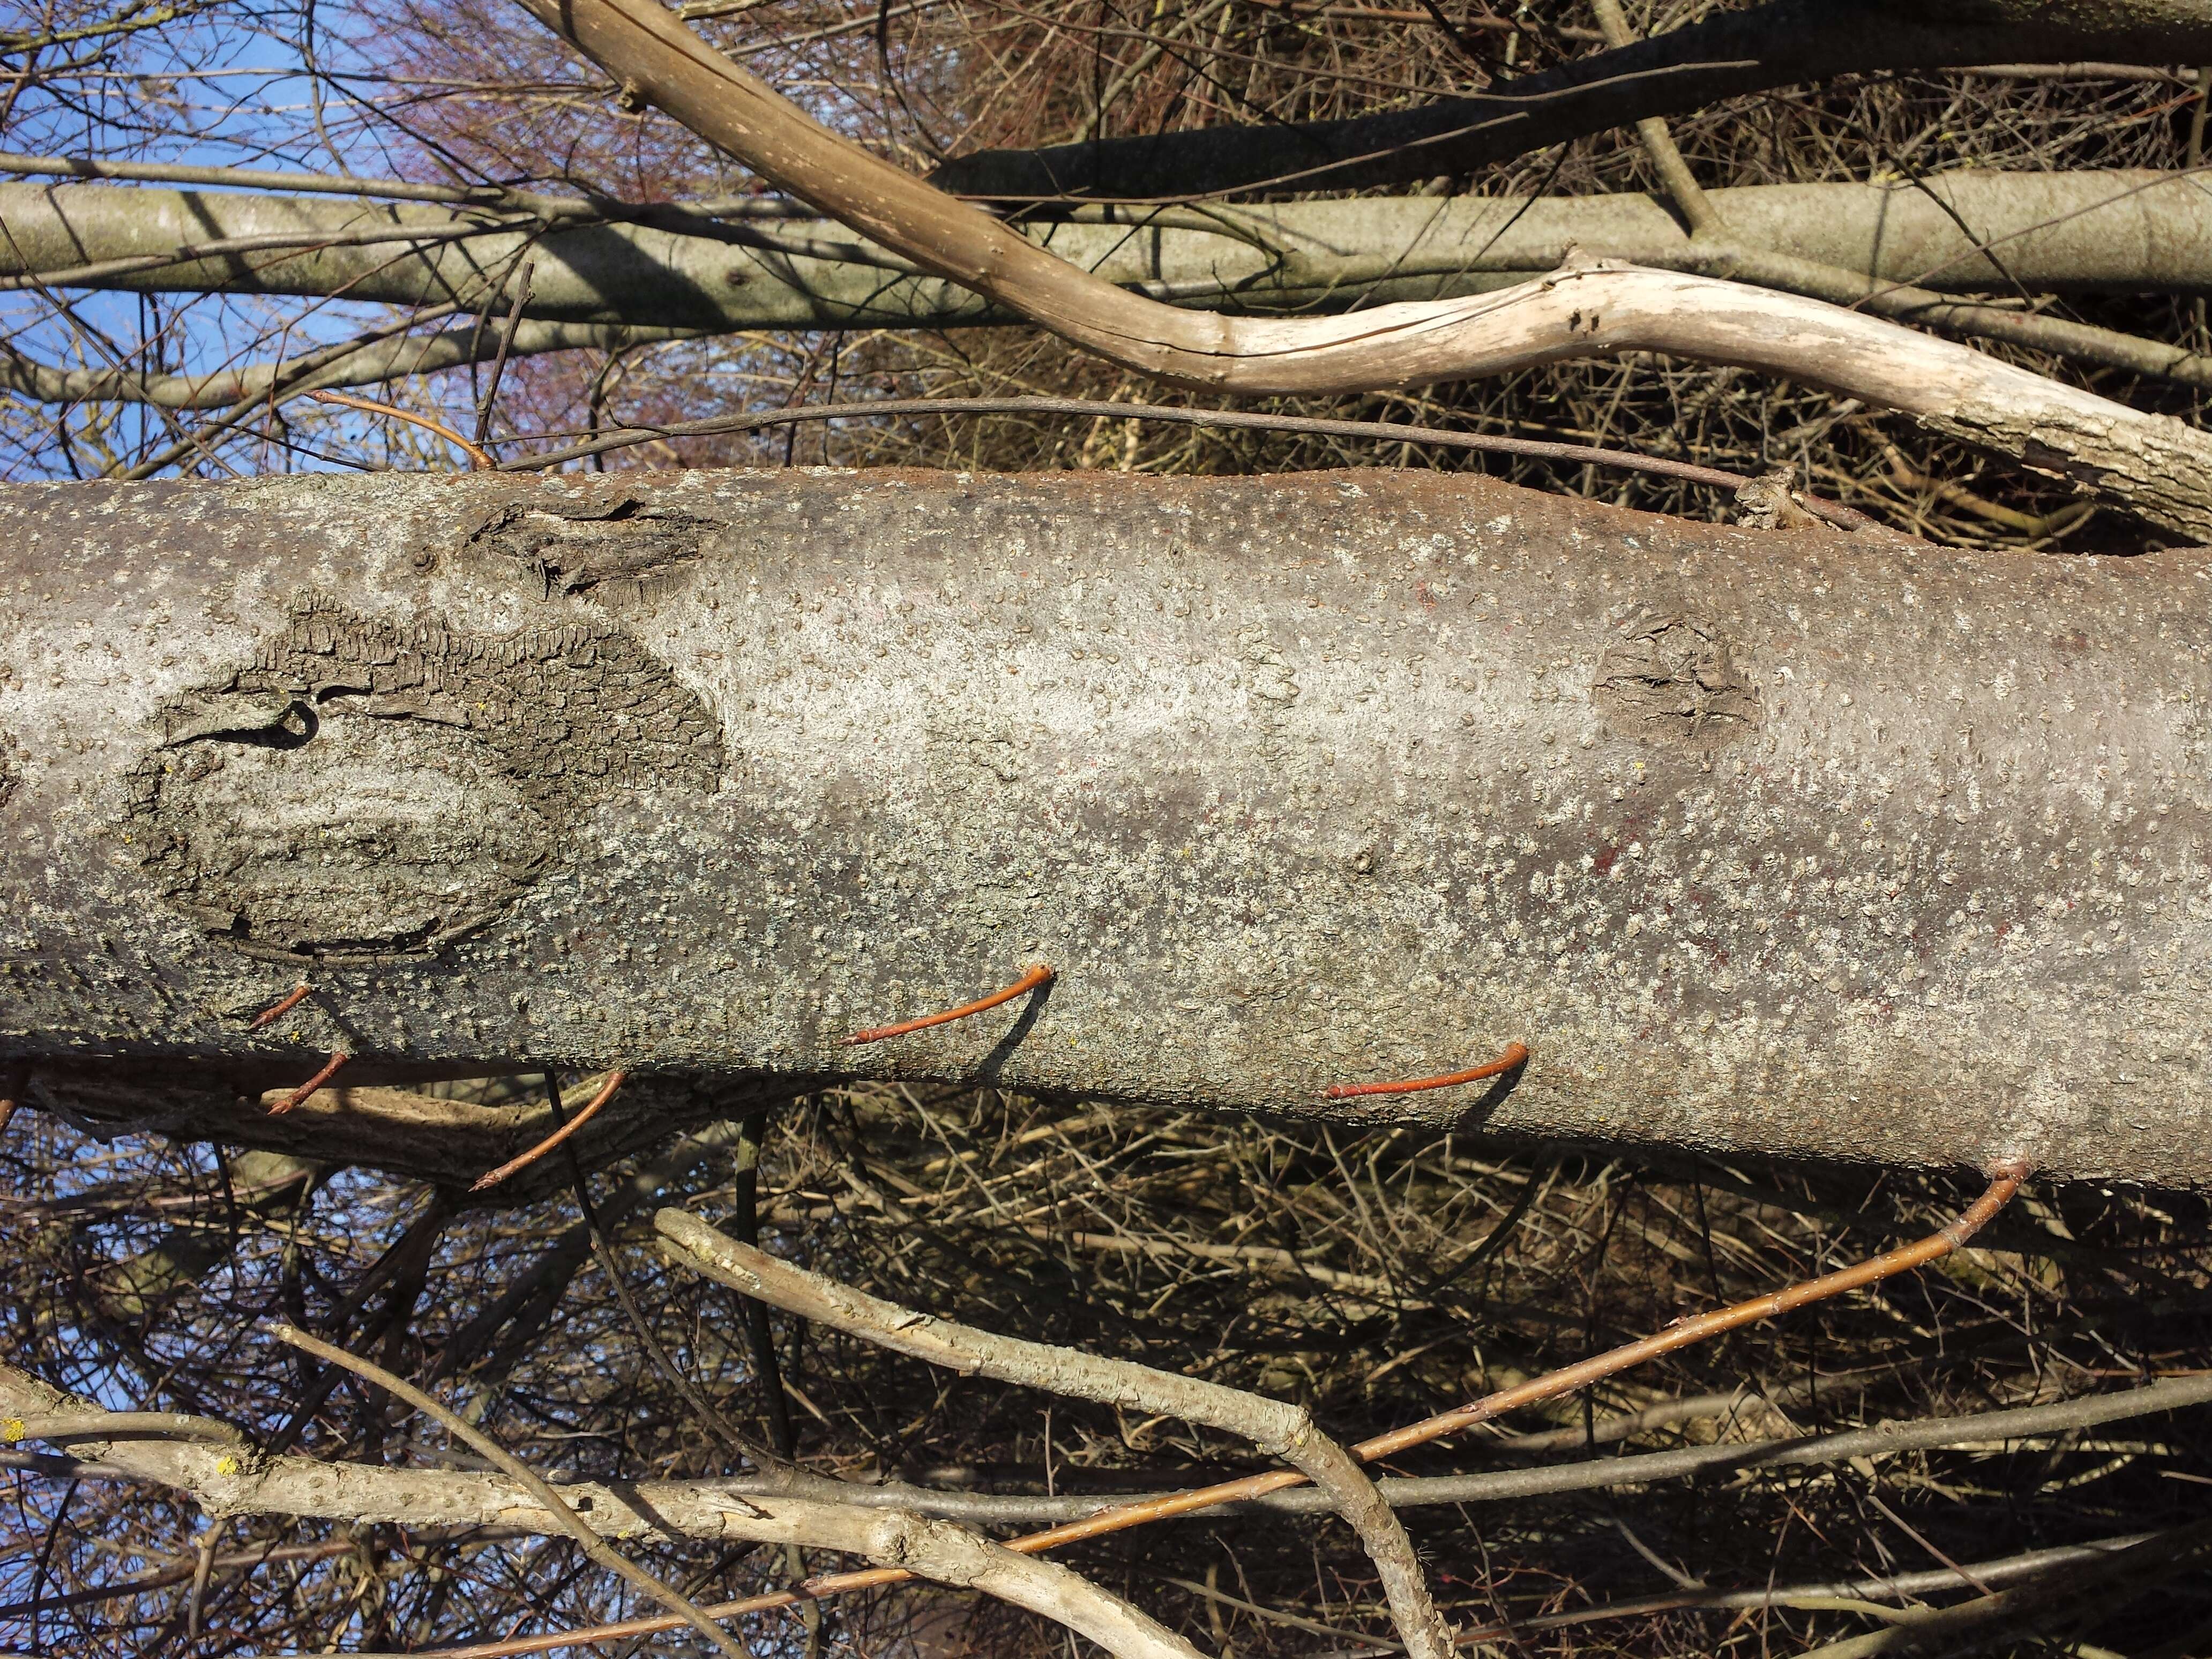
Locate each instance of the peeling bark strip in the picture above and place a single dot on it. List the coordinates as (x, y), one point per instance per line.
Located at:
(1772, 841)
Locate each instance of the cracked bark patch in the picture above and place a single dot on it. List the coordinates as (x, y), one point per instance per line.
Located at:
(621, 549)
(364, 789)
(1671, 680)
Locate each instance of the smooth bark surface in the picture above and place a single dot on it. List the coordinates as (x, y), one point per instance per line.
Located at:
(1774, 841)
(2120, 231)
(1888, 249)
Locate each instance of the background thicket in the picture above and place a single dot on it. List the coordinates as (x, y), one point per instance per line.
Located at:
(1364, 1274)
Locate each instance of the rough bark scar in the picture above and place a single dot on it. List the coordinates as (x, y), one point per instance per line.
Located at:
(633, 551)
(2043, 457)
(364, 788)
(1671, 680)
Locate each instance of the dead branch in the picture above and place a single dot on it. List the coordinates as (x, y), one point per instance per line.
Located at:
(372, 363)
(230, 1482)
(565, 1518)
(1282, 1430)
(2103, 1581)
(529, 1156)
(2126, 231)
(1554, 1385)
(699, 1508)
(1725, 56)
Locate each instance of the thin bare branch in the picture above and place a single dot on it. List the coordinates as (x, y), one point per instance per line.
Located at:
(519, 1472)
(1285, 1430)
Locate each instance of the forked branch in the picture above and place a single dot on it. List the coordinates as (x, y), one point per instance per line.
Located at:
(520, 1473)
(2004, 1181)
(228, 1480)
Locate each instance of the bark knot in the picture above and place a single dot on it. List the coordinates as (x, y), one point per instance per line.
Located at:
(365, 788)
(624, 549)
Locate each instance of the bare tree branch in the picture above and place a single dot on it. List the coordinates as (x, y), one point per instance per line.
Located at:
(230, 1482)
(2156, 466)
(565, 1518)
(372, 363)
(696, 1508)
(1900, 251)
(1280, 1429)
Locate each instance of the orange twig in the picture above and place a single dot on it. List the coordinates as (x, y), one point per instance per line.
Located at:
(338, 1057)
(1515, 1055)
(13, 1081)
(607, 1093)
(298, 995)
(1037, 975)
(2004, 1181)
(480, 459)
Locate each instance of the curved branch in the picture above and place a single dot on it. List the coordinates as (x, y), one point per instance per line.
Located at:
(565, 1516)
(1901, 252)
(2155, 466)
(1282, 1430)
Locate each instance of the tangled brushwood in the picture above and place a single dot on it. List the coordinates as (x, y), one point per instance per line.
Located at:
(2006, 1442)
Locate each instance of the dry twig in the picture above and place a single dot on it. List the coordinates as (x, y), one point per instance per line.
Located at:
(1036, 977)
(523, 1160)
(519, 1472)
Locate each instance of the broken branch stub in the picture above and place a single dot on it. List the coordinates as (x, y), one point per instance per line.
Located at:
(1781, 842)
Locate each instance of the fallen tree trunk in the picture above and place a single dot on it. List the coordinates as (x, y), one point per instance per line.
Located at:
(1764, 841)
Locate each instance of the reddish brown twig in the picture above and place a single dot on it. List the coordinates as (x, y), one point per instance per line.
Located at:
(2004, 1181)
(1040, 974)
(298, 995)
(338, 1057)
(479, 460)
(1515, 1055)
(605, 1094)
(13, 1081)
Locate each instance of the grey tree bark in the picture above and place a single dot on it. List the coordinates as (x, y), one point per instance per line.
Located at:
(2114, 231)
(1773, 841)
